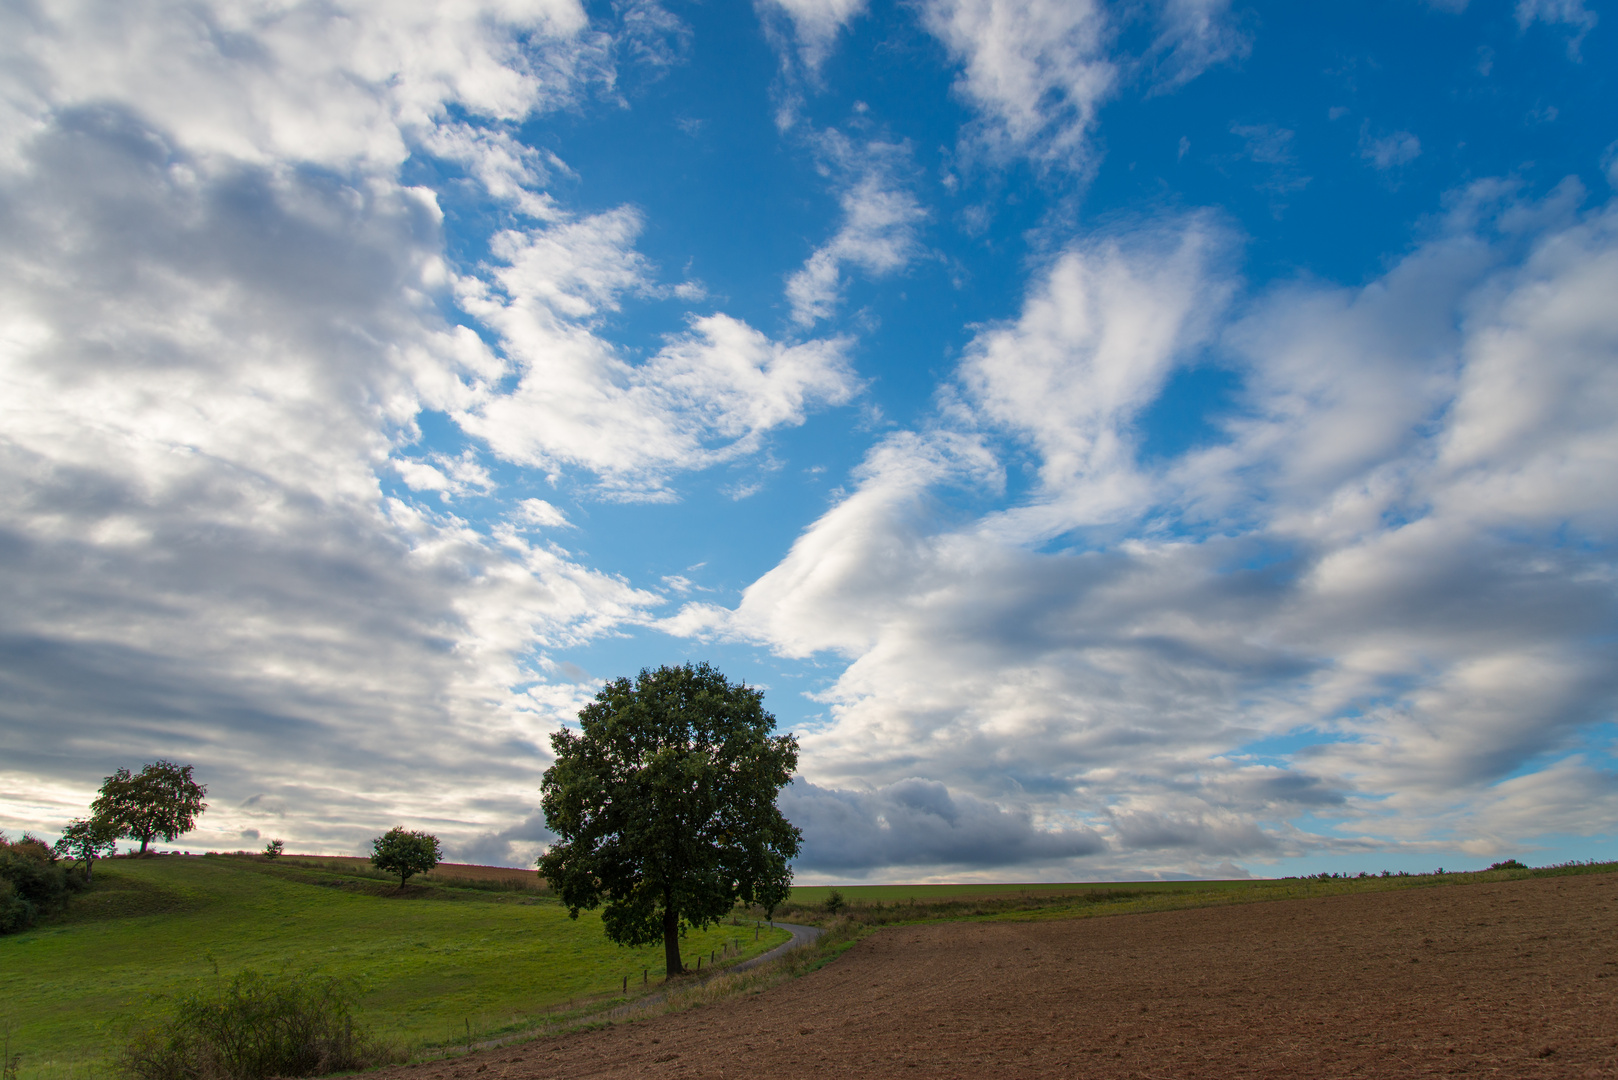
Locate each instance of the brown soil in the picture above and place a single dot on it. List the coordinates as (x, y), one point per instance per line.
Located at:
(1509, 979)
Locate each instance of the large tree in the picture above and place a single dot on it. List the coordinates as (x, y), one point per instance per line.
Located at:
(664, 806)
(160, 801)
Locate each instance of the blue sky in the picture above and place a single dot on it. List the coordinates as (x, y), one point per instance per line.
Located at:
(1125, 440)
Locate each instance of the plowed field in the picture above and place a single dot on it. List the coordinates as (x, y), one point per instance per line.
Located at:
(1507, 979)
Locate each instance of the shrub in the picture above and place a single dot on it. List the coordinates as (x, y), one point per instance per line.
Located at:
(1509, 864)
(834, 902)
(32, 883)
(258, 1027)
(273, 849)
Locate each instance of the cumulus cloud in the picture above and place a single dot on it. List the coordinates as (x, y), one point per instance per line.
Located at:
(223, 312)
(920, 823)
(1397, 556)
(880, 217)
(1038, 71)
(709, 395)
(815, 24)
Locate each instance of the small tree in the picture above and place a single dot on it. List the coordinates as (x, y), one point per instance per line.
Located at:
(159, 801)
(404, 853)
(273, 849)
(87, 839)
(664, 805)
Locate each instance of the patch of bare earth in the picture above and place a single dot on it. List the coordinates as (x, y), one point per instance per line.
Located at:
(1507, 979)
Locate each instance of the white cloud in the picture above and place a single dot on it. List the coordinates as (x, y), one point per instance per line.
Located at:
(222, 316)
(1564, 12)
(1038, 71)
(709, 395)
(347, 85)
(815, 24)
(1397, 557)
(877, 234)
(1388, 151)
(541, 513)
(1193, 36)
(1092, 347)
(449, 476)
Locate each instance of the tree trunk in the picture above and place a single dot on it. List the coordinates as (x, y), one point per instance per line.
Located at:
(671, 937)
(144, 841)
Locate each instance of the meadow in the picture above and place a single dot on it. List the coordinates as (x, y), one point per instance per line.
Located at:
(464, 955)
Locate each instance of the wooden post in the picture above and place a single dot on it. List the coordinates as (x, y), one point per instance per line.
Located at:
(626, 984)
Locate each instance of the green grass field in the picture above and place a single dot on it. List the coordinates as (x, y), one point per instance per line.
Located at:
(430, 964)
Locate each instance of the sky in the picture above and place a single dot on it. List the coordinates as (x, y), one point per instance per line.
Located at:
(1124, 440)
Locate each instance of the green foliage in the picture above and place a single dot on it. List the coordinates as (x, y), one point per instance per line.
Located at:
(160, 801)
(273, 849)
(32, 883)
(258, 1026)
(834, 902)
(664, 806)
(86, 840)
(1509, 864)
(405, 853)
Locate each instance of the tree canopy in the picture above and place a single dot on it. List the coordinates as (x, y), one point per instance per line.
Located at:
(664, 805)
(160, 801)
(405, 853)
(87, 839)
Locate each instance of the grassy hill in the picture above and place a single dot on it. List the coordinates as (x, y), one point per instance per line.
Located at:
(485, 953)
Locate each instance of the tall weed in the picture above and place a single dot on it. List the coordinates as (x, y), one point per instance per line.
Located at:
(257, 1027)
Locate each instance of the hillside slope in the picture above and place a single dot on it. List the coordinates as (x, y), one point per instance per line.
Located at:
(431, 963)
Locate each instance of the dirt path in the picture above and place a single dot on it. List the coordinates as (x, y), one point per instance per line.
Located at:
(1510, 979)
(801, 935)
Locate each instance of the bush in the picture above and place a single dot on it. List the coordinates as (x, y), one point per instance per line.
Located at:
(1509, 864)
(259, 1026)
(834, 902)
(273, 849)
(32, 883)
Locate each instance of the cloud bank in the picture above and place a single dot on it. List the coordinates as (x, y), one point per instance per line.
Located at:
(1394, 559)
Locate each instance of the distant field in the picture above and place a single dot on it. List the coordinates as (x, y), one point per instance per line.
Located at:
(887, 905)
(888, 894)
(446, 872)
(430, 964)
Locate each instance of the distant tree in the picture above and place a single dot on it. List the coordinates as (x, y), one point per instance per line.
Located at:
(160, 801)
(404, 853)
(86, 840)
(664, 806)
(273, 849)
